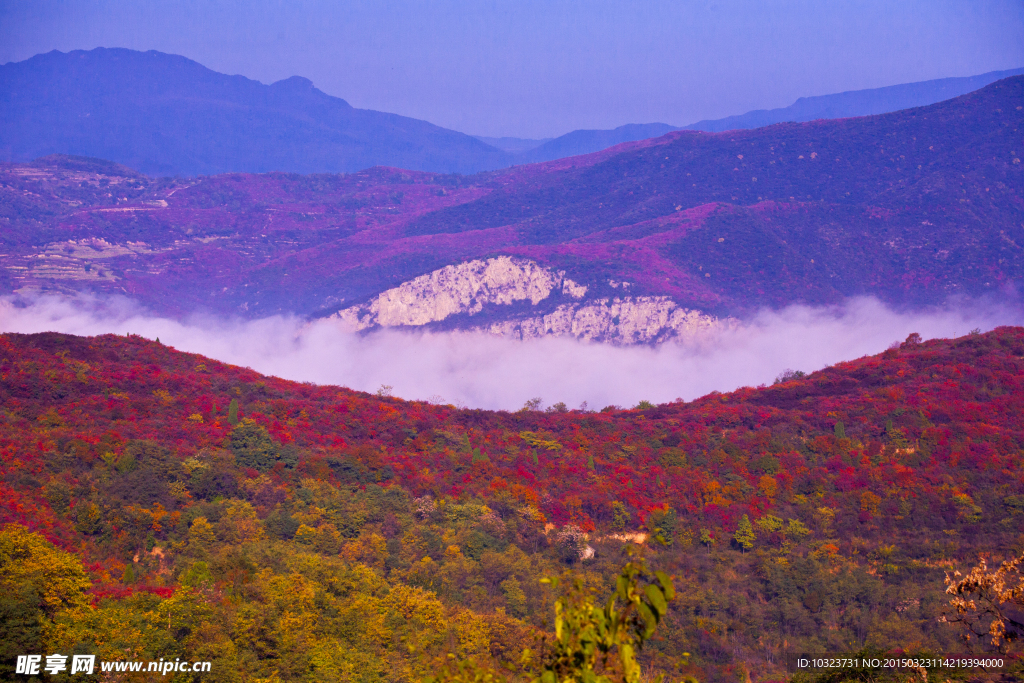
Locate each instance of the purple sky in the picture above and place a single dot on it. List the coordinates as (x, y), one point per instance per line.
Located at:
(540, 68)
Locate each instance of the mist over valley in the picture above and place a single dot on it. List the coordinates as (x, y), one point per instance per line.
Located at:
(477, 369)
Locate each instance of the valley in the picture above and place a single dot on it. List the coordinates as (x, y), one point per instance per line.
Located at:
(158, 504)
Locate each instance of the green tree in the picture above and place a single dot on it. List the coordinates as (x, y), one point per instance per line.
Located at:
(59, 495)
(201, 535)
(707, 539)
(233, 412)
(88, 518)
(796, 529)
(840, 430)
(515, 598)
(21, 626)
(531, 405)
(620, 516)
(663, 523)
(744, 535)
(198, 575)
(768, 524)
(253, 446)
(897, 437)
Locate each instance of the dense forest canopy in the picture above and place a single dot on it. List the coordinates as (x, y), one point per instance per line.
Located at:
(157, 504)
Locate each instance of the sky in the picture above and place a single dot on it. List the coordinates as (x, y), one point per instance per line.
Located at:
(541, 68)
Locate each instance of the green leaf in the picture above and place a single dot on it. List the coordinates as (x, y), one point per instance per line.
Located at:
(657, 599)
(650, 620)
(629, 665)
(666, 585)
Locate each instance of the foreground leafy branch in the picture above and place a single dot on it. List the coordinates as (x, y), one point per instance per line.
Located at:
(592, 643)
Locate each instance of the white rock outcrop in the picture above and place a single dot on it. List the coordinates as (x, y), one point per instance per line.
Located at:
(461, 288)
(466, 288)
(629, 320)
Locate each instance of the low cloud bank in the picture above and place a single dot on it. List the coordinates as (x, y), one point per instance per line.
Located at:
(482, 371)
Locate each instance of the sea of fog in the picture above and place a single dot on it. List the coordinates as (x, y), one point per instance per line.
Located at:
(482, 371)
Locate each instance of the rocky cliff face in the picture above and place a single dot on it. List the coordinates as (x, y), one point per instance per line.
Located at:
(464, 288)
(628, 320)
(557, 306)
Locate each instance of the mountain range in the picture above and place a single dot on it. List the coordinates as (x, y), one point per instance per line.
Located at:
(913, 207)
(587, 141)
(858, 102)
(840, 105)
(166, 115)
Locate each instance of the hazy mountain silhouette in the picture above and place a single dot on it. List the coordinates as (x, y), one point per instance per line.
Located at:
(514, 145)
(857, 102)
(836, 106)
(167, 115)
(587, 141)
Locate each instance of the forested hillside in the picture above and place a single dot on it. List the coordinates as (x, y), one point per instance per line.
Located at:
(292, 532)
(912, 207)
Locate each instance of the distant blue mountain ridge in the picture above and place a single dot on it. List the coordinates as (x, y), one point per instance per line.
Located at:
(837, 106)
(168, 115)
(858, 102)
(587, 141)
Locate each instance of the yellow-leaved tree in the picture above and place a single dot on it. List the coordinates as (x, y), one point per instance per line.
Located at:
(989, 603)
(28, 560)
(38, 581)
